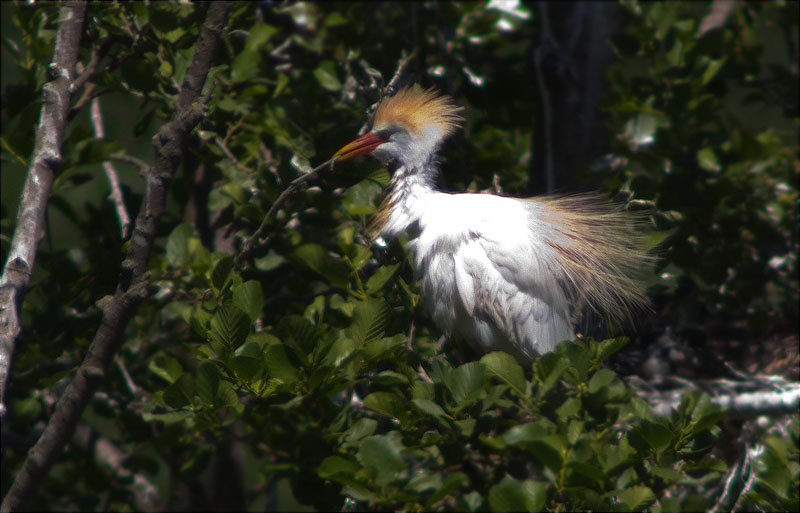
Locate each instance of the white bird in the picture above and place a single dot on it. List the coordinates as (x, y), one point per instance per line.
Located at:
(501, 273)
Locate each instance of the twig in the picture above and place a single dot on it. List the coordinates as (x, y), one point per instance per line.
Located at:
(16, 155)
(390, 88)
(87, 72)
(143, 166)
(223, 145)
(127, 377)
(727, 491)
(46, 159)
(169, 145)
(293, 185)
(750, 454)
(111, 173)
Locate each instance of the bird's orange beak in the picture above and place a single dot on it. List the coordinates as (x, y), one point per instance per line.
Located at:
(361, 146)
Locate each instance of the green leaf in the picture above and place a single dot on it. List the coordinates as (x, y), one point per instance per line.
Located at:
(226, 395)
(714, 67)
(361, 198)
(326, 76)
(229, 327)
(429, 407)
(172, 417)
(452, 482)
(706, 422)
(369, 320)
(548, 369)
(249, 298)
(180, 393)
(610, 346)
(549, 455)
(424, 481)
(278, 364)
(317, 258)
(315, 311)
(246, 65)
(301, 331)
(334, 466)
(466, 426)
(339, 352)
(636, 498)
(334, 19)
(388, 404)
(207, 382)
(379, 278)
(247, 368)
(657, 435)
(165, 367)
(178, 245)
(222, 271)
(586, 470)
(505, 367)
(466, 383)
(535, 494)
(361, 428)
(669, 475)
(570, 408)
(601, 379)
(508, 495)
(708, 160)
(260, 33)
(269, 261)
(382, 454)
(523, 433)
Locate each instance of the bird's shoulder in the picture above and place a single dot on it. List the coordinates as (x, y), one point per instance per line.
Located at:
(479, 214)
(485, 230)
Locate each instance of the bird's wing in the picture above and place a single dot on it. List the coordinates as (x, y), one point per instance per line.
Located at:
(502, 273)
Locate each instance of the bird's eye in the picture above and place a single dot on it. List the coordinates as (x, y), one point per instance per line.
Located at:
(385, 133)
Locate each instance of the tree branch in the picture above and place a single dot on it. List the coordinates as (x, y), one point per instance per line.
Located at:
(46, 159)
(111, 173)
(133, 287)
(745, 398)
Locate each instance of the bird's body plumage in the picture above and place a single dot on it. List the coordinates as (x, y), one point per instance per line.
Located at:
(501, 273)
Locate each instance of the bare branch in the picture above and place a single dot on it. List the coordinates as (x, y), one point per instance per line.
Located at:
(87, 72)
(249, 244)
(111, 459)
(111, 173)
(134, 390)
(143, 166)
(755, 396)
(133, 287)
(46, 159)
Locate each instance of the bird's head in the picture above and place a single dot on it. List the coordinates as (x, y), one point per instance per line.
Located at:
(407, 127)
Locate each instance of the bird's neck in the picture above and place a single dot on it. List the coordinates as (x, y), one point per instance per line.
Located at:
(409, 192)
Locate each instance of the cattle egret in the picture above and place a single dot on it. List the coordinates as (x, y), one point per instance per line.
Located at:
(499, 272)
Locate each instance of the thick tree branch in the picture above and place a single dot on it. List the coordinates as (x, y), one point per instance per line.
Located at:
(45, 161)
(133, 286)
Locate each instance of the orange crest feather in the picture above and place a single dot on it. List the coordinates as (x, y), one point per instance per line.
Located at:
(416, 107)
